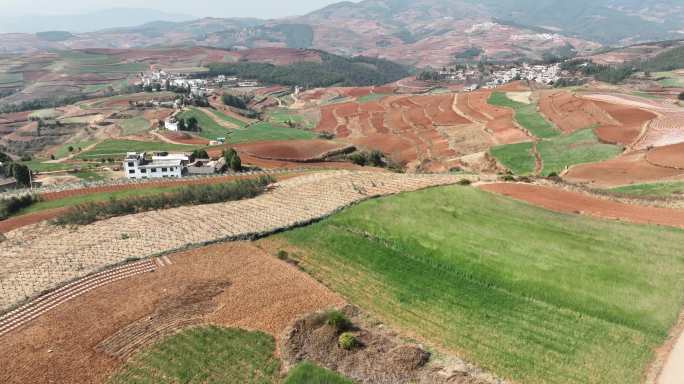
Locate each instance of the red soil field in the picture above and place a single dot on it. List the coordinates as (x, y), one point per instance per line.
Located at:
(570, 113)
(671, 156)
(559, 200)
(408, 128)
(16, 117)
(32, 218)
(259, 292)
(499, 121)
(632, 121)
(628, 169)
(292, 150)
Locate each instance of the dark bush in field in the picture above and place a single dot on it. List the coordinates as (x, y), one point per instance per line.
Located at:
(191, 195)
(10, 206)
(337, 320)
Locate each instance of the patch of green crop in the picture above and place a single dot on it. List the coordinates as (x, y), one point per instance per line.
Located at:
(526, 115)
(532, 295)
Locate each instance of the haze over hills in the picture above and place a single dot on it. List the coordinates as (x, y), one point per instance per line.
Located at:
(86, 22)
(422, 32)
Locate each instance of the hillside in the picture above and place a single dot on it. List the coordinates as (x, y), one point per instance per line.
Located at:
(422, 33)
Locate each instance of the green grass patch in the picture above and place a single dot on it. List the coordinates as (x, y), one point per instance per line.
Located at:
(230, 119)
(109, 68)
(204, 356)
(283, 116)
(89, 176)
(45, 114)
(532, 295)
(134, 126)
(578, 147)
(118, 148)
(518, 158)
(669, 189)
(11, 78)
(308, 373)
(42, 166)
(264, 131)
(63, 151)
(526, 115)
(371, 97)
(646, 95)
(210, 129)
(669, 79)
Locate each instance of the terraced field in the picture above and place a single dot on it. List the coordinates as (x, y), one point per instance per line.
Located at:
(532, 295)
(419, 131)
(38, 257)
(526, 115)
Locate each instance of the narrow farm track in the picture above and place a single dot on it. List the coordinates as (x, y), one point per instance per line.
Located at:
(45, 303)
(39, 257)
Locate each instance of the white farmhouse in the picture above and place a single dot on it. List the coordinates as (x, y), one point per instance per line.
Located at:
(140, 166)
(171, 124)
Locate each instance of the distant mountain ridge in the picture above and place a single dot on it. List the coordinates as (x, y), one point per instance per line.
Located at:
(416, 32)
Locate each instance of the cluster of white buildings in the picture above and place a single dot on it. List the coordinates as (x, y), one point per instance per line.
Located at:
(168, 165)
(543, 74)
(199, 87)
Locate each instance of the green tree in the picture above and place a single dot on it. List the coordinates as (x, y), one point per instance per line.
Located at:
(22, 174)
(233, 160)
(200, 154)
(681, 96)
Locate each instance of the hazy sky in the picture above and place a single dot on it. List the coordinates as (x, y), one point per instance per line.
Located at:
(200, 8)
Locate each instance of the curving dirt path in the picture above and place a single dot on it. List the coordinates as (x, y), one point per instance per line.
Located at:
(559, 200)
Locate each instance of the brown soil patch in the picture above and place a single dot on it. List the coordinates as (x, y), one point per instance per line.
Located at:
(570, 113)
(559, 200)
(32, 218)
(412, 130)
(498, 121)
(632, 122)
(628, 169)
(232, 284)
(671, 156)
(292, 150)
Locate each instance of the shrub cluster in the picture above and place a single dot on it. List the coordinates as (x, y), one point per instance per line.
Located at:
(10, 206)
(233, 160)
(337, 320)
(190, 195)
(347, 341)
(681, 96)
(373, 158)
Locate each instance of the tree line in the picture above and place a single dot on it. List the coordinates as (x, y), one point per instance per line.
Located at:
(332, 70)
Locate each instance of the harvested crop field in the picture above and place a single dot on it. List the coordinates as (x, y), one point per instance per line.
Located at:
(671, 156)
(39, 257)
(414, 130)
(570, 113)
(665, 130)
(185, 138)
(233, 284)
(632, 168)
(293, 150)
(559, 200)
